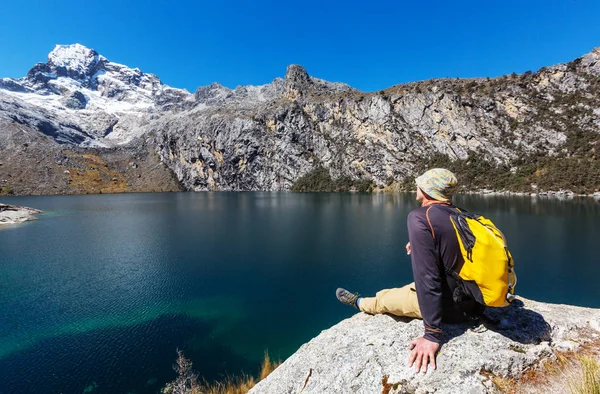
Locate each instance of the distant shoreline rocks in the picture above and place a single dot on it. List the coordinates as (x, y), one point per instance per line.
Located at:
(534, 192)
(558, 194)
(12, 214)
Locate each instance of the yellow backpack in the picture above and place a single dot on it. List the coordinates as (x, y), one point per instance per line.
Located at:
(488, 263)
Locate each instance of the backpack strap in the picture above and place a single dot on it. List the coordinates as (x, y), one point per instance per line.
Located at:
(429, 221)
(429, 205)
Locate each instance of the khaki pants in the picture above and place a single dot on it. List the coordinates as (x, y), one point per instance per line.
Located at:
(400, 302)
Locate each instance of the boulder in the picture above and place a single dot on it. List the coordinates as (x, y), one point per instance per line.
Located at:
(75, 100)
(368, 354)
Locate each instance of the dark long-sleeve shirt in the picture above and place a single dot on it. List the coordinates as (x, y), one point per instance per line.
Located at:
(434, 249)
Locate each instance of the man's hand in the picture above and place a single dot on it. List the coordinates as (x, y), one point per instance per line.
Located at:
(408, 248)
(423, 352)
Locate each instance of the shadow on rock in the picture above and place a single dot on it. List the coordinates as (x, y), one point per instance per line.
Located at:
(518, 323)
(514, 322)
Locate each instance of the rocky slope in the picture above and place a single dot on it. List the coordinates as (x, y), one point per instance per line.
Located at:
(368, 354)
(531, 132)
(34, 164)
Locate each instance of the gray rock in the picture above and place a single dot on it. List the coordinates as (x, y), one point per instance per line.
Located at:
(212, 93)
(13, 85)
(297, 81)
(12, 214)
(76, 100)
(365, 354)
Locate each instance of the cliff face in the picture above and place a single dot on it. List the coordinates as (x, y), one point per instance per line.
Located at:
(506, 124)
(368, 354)
(530, 132)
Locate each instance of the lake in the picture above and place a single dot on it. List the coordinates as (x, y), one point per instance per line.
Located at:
(99, 293)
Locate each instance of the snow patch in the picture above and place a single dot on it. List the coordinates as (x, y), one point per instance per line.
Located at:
(49, 75)
(75, 57)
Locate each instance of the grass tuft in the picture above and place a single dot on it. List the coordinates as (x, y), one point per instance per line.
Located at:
(267, 366)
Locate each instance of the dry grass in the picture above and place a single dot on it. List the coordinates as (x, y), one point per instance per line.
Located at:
(238, 385)
(574, 372)
(587, 381)
(95, 176)
(267, 366)
(187, 381)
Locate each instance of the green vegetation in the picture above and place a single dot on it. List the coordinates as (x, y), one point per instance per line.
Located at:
(6, 191)
(476, 173)
(187, 381)
(578, 174)
(319, 180)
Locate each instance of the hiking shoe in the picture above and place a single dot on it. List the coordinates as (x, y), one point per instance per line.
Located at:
(345, 297)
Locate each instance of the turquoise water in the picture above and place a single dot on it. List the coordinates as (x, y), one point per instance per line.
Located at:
(99, 293)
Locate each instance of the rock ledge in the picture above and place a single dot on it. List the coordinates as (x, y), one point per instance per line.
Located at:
(368, 354)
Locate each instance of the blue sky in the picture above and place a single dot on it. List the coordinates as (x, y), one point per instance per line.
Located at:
(369, 44)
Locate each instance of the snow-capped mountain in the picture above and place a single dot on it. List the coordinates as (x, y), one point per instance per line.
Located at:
(80, 97)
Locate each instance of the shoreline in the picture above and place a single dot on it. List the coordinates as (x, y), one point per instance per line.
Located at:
(490, 192)
(384, 190)
(550, 194)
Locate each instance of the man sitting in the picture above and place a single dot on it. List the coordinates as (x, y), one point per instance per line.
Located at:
(434, 249)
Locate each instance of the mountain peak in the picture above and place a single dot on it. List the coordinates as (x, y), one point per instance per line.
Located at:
(297, 74)
(75, 60)
(297, 81)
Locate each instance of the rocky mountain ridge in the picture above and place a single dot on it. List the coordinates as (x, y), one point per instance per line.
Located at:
(531, 132)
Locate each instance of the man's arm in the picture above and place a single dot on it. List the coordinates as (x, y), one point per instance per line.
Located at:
(428, 283)
(427, 274)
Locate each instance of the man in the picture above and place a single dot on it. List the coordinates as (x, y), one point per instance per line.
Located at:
(434, 250)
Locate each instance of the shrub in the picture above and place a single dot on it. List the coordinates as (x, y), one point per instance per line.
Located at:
(6, 191)
(186, 381)
(319, 180)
